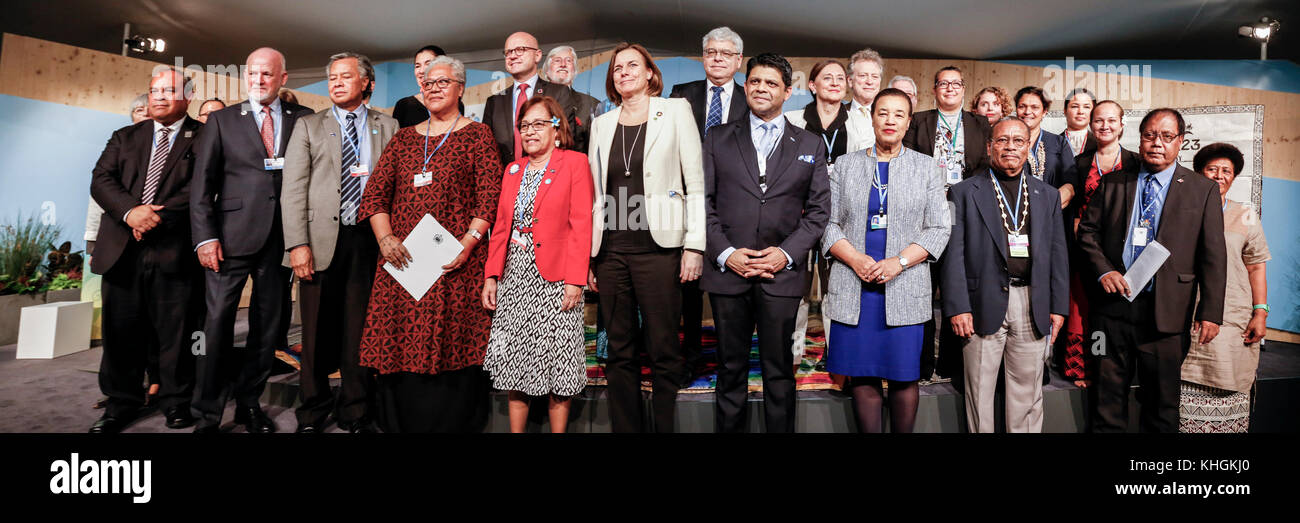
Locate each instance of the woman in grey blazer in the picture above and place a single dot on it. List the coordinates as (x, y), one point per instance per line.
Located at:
(888, 215)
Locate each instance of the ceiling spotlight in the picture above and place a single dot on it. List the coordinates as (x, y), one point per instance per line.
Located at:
(1262, 31)
(141, 44)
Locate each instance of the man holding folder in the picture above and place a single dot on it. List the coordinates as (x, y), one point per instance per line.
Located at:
(1150, 334)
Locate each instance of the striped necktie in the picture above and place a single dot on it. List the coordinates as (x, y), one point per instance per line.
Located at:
(715, 110)
(350, 199)
(160, 152)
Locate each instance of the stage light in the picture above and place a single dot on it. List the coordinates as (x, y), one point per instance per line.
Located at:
(142, 44)
(1262, 31)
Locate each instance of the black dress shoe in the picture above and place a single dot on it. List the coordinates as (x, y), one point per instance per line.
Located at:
(360, 427)
(207, 429)
(254, 420)
(179, 417)
(308, 428)
(109, 424)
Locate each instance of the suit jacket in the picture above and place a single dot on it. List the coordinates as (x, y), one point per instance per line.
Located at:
(792, 214)
(231, 189)
(564, 198)
(1191, 228)
(975, 131)
(917, 213)
(975, 278)
(117, 185)
(499, 114)
(696, 93)
(1129, 161)
(309, 201)
(671, 171)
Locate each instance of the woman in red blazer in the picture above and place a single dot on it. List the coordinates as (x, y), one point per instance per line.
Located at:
(537, 267)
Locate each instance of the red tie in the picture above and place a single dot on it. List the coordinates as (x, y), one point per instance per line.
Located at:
(519, 141)
(268, 132)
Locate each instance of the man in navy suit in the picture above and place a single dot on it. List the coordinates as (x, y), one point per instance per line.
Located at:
(1007, 281)
(235, 217)
(767, 202)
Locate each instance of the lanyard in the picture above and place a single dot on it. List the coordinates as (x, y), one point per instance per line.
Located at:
(1096, 162)
(523, 183)
(951, 129)
(427, 154)
(1159, 197)
(1015, 216)
(882, 189)
(355, 141)
(830, 145)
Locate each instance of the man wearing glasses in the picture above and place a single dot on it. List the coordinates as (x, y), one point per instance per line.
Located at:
(1147, 329)
(561, 68)
(501, 112)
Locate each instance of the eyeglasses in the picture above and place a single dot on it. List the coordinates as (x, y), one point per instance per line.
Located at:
(1151, 136)
(1002, 141)
(442, 83)
(955, 84)
(711, 53)
(538, 126)
(518, 50)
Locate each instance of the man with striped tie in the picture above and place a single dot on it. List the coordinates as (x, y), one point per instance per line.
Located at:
(152, 286)
(327, 164)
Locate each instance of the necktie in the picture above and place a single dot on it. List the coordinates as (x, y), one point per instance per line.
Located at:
(160, 152)
(768, 141)
(519, 104)
(1148, 217)
(268, 132)
(350, 200)
(715, 110)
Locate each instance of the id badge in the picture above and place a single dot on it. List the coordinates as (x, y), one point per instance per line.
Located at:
(879, 221)
(1140, 236)
(273, 164)
(423, 179)
(1018, 245)
(359, 170)
(519, 239)
(954, 177)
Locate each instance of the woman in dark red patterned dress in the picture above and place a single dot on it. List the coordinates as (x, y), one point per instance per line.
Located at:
(429, 354)
(1107, 123)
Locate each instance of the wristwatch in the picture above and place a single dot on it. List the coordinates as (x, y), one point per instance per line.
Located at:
(902, 260)
(477, 235)
(1261, 306)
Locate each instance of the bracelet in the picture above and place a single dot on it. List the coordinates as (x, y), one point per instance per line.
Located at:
(474, 232)
(1263, 306)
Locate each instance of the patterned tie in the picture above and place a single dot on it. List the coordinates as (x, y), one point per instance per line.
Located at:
(350, 200)
(1148, 212)
(268, 132)
(160, 152)
(519, 104)
(768, 141)
(715, 110)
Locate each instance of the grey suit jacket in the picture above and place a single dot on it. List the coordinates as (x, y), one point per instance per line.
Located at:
(309, 200)
(917, 213)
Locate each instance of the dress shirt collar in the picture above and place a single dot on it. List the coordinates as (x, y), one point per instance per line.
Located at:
(1163, 176)
(175, 126)
(532, 85)
(855, 105)
(257, 107)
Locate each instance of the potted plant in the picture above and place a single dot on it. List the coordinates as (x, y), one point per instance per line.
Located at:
(33, 271)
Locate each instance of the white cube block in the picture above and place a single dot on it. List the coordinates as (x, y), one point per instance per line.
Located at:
(54, 329)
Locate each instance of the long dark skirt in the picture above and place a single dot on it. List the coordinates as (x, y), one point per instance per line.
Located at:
(454, 401)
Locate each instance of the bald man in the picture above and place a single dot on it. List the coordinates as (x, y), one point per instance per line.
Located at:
(235, 218)
(501, 112)
(151, 285)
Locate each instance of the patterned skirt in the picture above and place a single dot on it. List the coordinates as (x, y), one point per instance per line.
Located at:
(535, 348)
(1209, 410)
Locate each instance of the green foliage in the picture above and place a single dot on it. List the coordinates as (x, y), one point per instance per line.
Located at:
(24, 245)
(63, 281)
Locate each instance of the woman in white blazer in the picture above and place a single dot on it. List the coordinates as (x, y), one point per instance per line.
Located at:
(647, 232)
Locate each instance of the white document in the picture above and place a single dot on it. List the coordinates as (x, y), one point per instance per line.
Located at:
(1144, 268)
(431, 246)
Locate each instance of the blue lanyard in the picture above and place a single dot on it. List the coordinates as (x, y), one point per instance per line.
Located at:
(830, 145)
(1020, 191)
(954, 131)
(1159, 197)
(523, 183)
(356, 143)
(427, 154)
(882, 189)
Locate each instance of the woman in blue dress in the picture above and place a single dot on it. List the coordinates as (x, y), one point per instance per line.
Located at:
(888, 216)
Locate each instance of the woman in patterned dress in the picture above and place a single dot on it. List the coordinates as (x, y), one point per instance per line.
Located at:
(429, 353)
(1218, 376)
(537, 267)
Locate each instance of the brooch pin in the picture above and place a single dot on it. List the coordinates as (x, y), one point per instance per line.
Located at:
(437, 238)
(514, 168)
(658, 114)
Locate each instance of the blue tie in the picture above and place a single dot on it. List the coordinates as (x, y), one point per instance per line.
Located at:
(350, 199)
(768, 141)
(1148, 217)
(715, 110)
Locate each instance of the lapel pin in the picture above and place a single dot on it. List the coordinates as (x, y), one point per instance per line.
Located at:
(548, 181)
(189, 134)
(514, 168)
(1180, 180)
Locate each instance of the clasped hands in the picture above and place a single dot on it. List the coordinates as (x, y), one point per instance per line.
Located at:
(142, 219)
(871, 271)
(749, 263)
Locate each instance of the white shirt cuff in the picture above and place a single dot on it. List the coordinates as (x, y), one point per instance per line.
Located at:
(202, 243)
(722, 258)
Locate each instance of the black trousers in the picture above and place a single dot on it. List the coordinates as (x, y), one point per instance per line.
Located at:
(735, 317)
(692, 318)
(1132, 347)
(148, 311)
(949, 362)
(251, 365)
(333, 306)
(648, 283)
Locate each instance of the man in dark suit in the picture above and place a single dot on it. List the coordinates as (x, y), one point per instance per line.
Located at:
(235, 217)
(767, 202)
(716, 100)
(501, 111)
(151, 282)
(1150, 333)
(1006, 285)
(561, 67)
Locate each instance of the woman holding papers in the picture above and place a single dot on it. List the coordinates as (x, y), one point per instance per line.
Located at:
(536, 268)
(429, 352)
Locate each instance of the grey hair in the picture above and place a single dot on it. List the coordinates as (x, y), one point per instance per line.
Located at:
(557, 50)
(903, 78)
(363, 63)
(139, 101)
(867, 55)
(724, 34)
(457, 68)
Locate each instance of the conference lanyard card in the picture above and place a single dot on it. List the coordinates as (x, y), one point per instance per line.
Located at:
(423, 179)
(1018, 245)
(1140, 236)
(359, 170)
(879, 221)
(954, 177)
(519, 239)
(273, 164)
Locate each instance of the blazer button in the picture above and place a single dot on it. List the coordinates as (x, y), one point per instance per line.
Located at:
(335, 218)
(1004, 288)
(763, 201)
(539, 245)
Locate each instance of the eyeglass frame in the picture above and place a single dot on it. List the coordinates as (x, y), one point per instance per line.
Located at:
(538, 126)
(944, 84)
(1150, 136)
(442, 83)
(518, 51)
